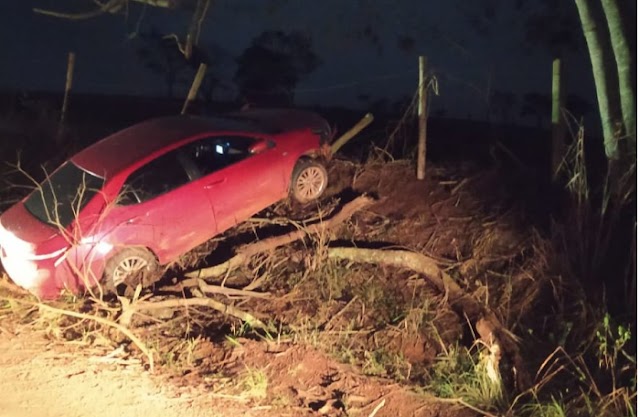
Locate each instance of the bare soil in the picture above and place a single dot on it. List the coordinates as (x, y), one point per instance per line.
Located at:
(48, 379)
(351, 340)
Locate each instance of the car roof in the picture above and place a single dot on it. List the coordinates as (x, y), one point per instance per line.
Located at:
(122, 149)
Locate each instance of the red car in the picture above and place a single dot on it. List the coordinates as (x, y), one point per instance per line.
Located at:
(146, 195)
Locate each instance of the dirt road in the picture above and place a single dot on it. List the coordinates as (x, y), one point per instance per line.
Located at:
(38, 381)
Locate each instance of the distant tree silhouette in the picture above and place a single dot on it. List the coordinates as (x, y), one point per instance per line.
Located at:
(406, 43)
(162, 55)
(536, 105)
(271, 67)
(503, 105)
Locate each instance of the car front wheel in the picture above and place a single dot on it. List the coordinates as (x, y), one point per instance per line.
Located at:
(129, 268)
(309, 181)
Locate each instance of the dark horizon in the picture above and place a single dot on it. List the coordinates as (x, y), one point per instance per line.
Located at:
(363, 61)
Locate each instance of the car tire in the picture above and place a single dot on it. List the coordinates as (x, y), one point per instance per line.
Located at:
(129, 268)
(309, 180)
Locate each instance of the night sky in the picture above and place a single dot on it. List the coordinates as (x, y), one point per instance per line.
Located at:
(471, 51)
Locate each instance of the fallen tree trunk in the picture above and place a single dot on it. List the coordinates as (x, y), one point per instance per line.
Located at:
(246, 252)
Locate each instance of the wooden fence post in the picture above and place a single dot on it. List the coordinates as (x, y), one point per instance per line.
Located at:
(195, 86)
(71, 61)
(422, 117)
(558, 125)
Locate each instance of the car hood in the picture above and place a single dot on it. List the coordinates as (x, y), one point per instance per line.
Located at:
(20, 223)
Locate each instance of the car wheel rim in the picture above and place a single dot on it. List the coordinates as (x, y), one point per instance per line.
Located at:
(128, 267)
(310, 183)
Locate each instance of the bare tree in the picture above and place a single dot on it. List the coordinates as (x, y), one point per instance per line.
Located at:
(199, 9)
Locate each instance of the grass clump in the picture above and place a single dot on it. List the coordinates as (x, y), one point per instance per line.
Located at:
(461, 373)
(254, 383)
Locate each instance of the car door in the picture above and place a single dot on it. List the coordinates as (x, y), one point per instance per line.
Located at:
(169, 196)
(242, 176)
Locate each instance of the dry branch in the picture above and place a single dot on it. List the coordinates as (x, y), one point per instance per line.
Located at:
(101, 320)
(200, 302)
(217, 289)
(246, 252)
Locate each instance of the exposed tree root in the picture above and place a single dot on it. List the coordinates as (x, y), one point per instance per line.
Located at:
(488, 326)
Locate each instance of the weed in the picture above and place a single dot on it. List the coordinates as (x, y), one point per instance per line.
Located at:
(255, 383)
(611, 346)
(554, 408)
(461, 373)
(330, 281)
(382, 362)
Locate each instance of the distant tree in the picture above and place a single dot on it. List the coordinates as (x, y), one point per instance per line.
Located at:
(406, 43)
(536, 105)
(271, 67)
(503, 104)
(162, 55)
(440, 113)
(578, 107)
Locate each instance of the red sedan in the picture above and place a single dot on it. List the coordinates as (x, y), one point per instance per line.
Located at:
(144, 196)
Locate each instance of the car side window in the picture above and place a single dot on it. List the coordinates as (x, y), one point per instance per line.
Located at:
(159, 176)
(214, 153)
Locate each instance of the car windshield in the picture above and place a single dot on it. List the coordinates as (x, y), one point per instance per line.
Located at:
(63, 194)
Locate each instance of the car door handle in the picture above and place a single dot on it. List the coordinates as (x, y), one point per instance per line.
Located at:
(215, 182)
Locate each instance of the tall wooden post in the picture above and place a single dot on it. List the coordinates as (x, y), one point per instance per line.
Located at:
(422, 117)
(195, 86)
(558, 125)
(71, 60)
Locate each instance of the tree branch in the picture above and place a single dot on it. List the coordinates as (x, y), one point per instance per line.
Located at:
(246, 252)
(200, 302)
(112, 6)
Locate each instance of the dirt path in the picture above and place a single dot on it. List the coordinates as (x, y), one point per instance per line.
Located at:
(38, 381)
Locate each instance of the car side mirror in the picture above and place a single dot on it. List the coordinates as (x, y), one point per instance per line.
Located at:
(261, 146)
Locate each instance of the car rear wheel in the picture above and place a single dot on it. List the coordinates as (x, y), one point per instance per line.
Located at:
(309, 180)
(129, 268)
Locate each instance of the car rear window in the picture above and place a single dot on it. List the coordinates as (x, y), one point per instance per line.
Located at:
(63, 194)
